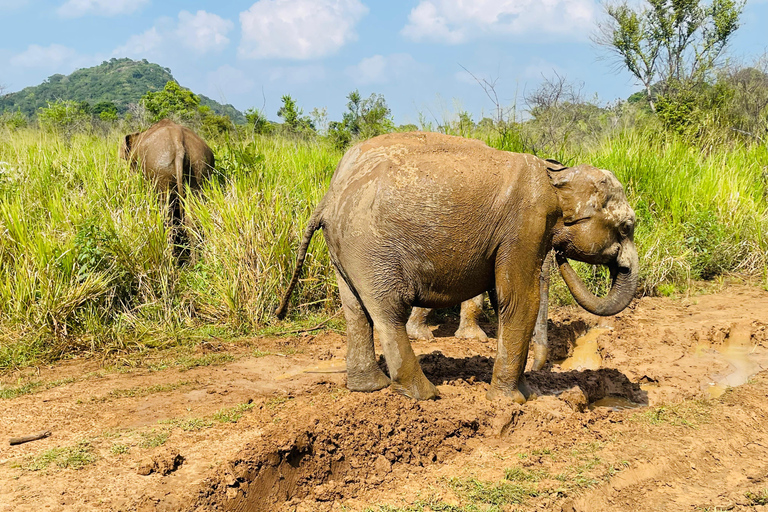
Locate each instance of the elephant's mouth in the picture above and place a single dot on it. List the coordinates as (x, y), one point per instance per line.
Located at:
(624, 279)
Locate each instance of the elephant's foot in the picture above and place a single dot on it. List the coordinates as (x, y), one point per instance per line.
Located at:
(417, 387)
(366, 381)
(539, 356)
(471, 332)
(418, 331)
(519, 393)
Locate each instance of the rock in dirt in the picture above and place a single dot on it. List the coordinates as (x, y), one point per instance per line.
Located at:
(164, 463)
(575, 398)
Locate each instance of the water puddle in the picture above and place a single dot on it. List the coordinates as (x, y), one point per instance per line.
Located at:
(615, 403)
(586, 355)
(739, 353)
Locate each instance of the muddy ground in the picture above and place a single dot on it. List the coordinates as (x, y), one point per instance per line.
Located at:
(664, 409)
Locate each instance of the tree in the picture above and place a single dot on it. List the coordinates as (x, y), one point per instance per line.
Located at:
(670, 42)
(172, 100)
(69, 116)
(293, 118)
(364, 118)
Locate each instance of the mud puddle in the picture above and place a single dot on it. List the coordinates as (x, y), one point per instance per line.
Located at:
(740, 353)
(586, 353)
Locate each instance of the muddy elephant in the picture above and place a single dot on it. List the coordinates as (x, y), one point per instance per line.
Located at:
(431, 220)
(469, 326)
(173, 157)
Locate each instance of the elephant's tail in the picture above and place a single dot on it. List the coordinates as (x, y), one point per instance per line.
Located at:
(315, 223)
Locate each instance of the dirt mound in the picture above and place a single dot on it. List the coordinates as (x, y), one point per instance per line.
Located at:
(341, 452)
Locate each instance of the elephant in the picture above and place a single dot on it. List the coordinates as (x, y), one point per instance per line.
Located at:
(431, 220)
(471, 309)
(172, 157)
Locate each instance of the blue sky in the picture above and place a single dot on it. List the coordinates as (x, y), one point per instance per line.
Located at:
(251, 53)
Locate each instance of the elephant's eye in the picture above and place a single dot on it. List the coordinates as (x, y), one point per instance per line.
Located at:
(627, 228)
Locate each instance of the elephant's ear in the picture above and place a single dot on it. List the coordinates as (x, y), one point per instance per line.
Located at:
(125, 147)
(575, 192)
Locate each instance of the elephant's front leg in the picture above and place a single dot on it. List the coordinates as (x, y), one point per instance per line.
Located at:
(518, 307)
(540, 339)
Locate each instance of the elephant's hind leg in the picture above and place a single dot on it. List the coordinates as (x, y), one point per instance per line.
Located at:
(363, 373)
(404, 369)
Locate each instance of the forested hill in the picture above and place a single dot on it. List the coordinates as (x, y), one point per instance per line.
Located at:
(119, 81)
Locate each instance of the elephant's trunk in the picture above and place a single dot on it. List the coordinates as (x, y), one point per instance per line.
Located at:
(624, 272)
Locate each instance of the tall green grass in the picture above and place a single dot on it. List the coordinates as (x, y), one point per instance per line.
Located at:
(86, 262)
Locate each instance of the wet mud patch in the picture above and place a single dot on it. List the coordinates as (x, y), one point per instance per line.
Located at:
(348, 449)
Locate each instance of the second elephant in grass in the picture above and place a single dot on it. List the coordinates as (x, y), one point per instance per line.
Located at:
(172, 157)
(430, 220)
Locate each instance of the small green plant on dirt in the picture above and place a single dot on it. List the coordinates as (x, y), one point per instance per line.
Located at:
(19, 390)
(231, 414)
(140, 391)
(478, 492)
(261, 353)
(758, 498)
(153, 438)
(189, 424)
(119, 449)
(32, 387)
(690, 413)
(277, 401)
(68, 457)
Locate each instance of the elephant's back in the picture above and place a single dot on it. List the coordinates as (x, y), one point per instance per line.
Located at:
(415, 160)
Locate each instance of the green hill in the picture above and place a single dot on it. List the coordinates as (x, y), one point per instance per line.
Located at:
(120, 81)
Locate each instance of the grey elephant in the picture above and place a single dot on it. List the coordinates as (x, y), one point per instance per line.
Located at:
(173, 157)
(430, 220)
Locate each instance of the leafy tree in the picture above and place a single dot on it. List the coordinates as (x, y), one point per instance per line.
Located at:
(172, 100)
(669, 42)
(364, 118)
(13, 119)
(66, 115)
(293, 117)
(106, 111)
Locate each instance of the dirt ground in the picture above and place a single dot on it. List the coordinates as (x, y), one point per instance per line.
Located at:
(664, 408)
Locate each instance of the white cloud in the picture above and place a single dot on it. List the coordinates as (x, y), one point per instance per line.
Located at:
(78, 8)
(55, 57)
(201, 32)
(457, 21)
(382, 69)
(146, 44)
(298, 29)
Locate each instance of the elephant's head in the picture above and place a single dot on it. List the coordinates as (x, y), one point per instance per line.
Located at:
(596, 226)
